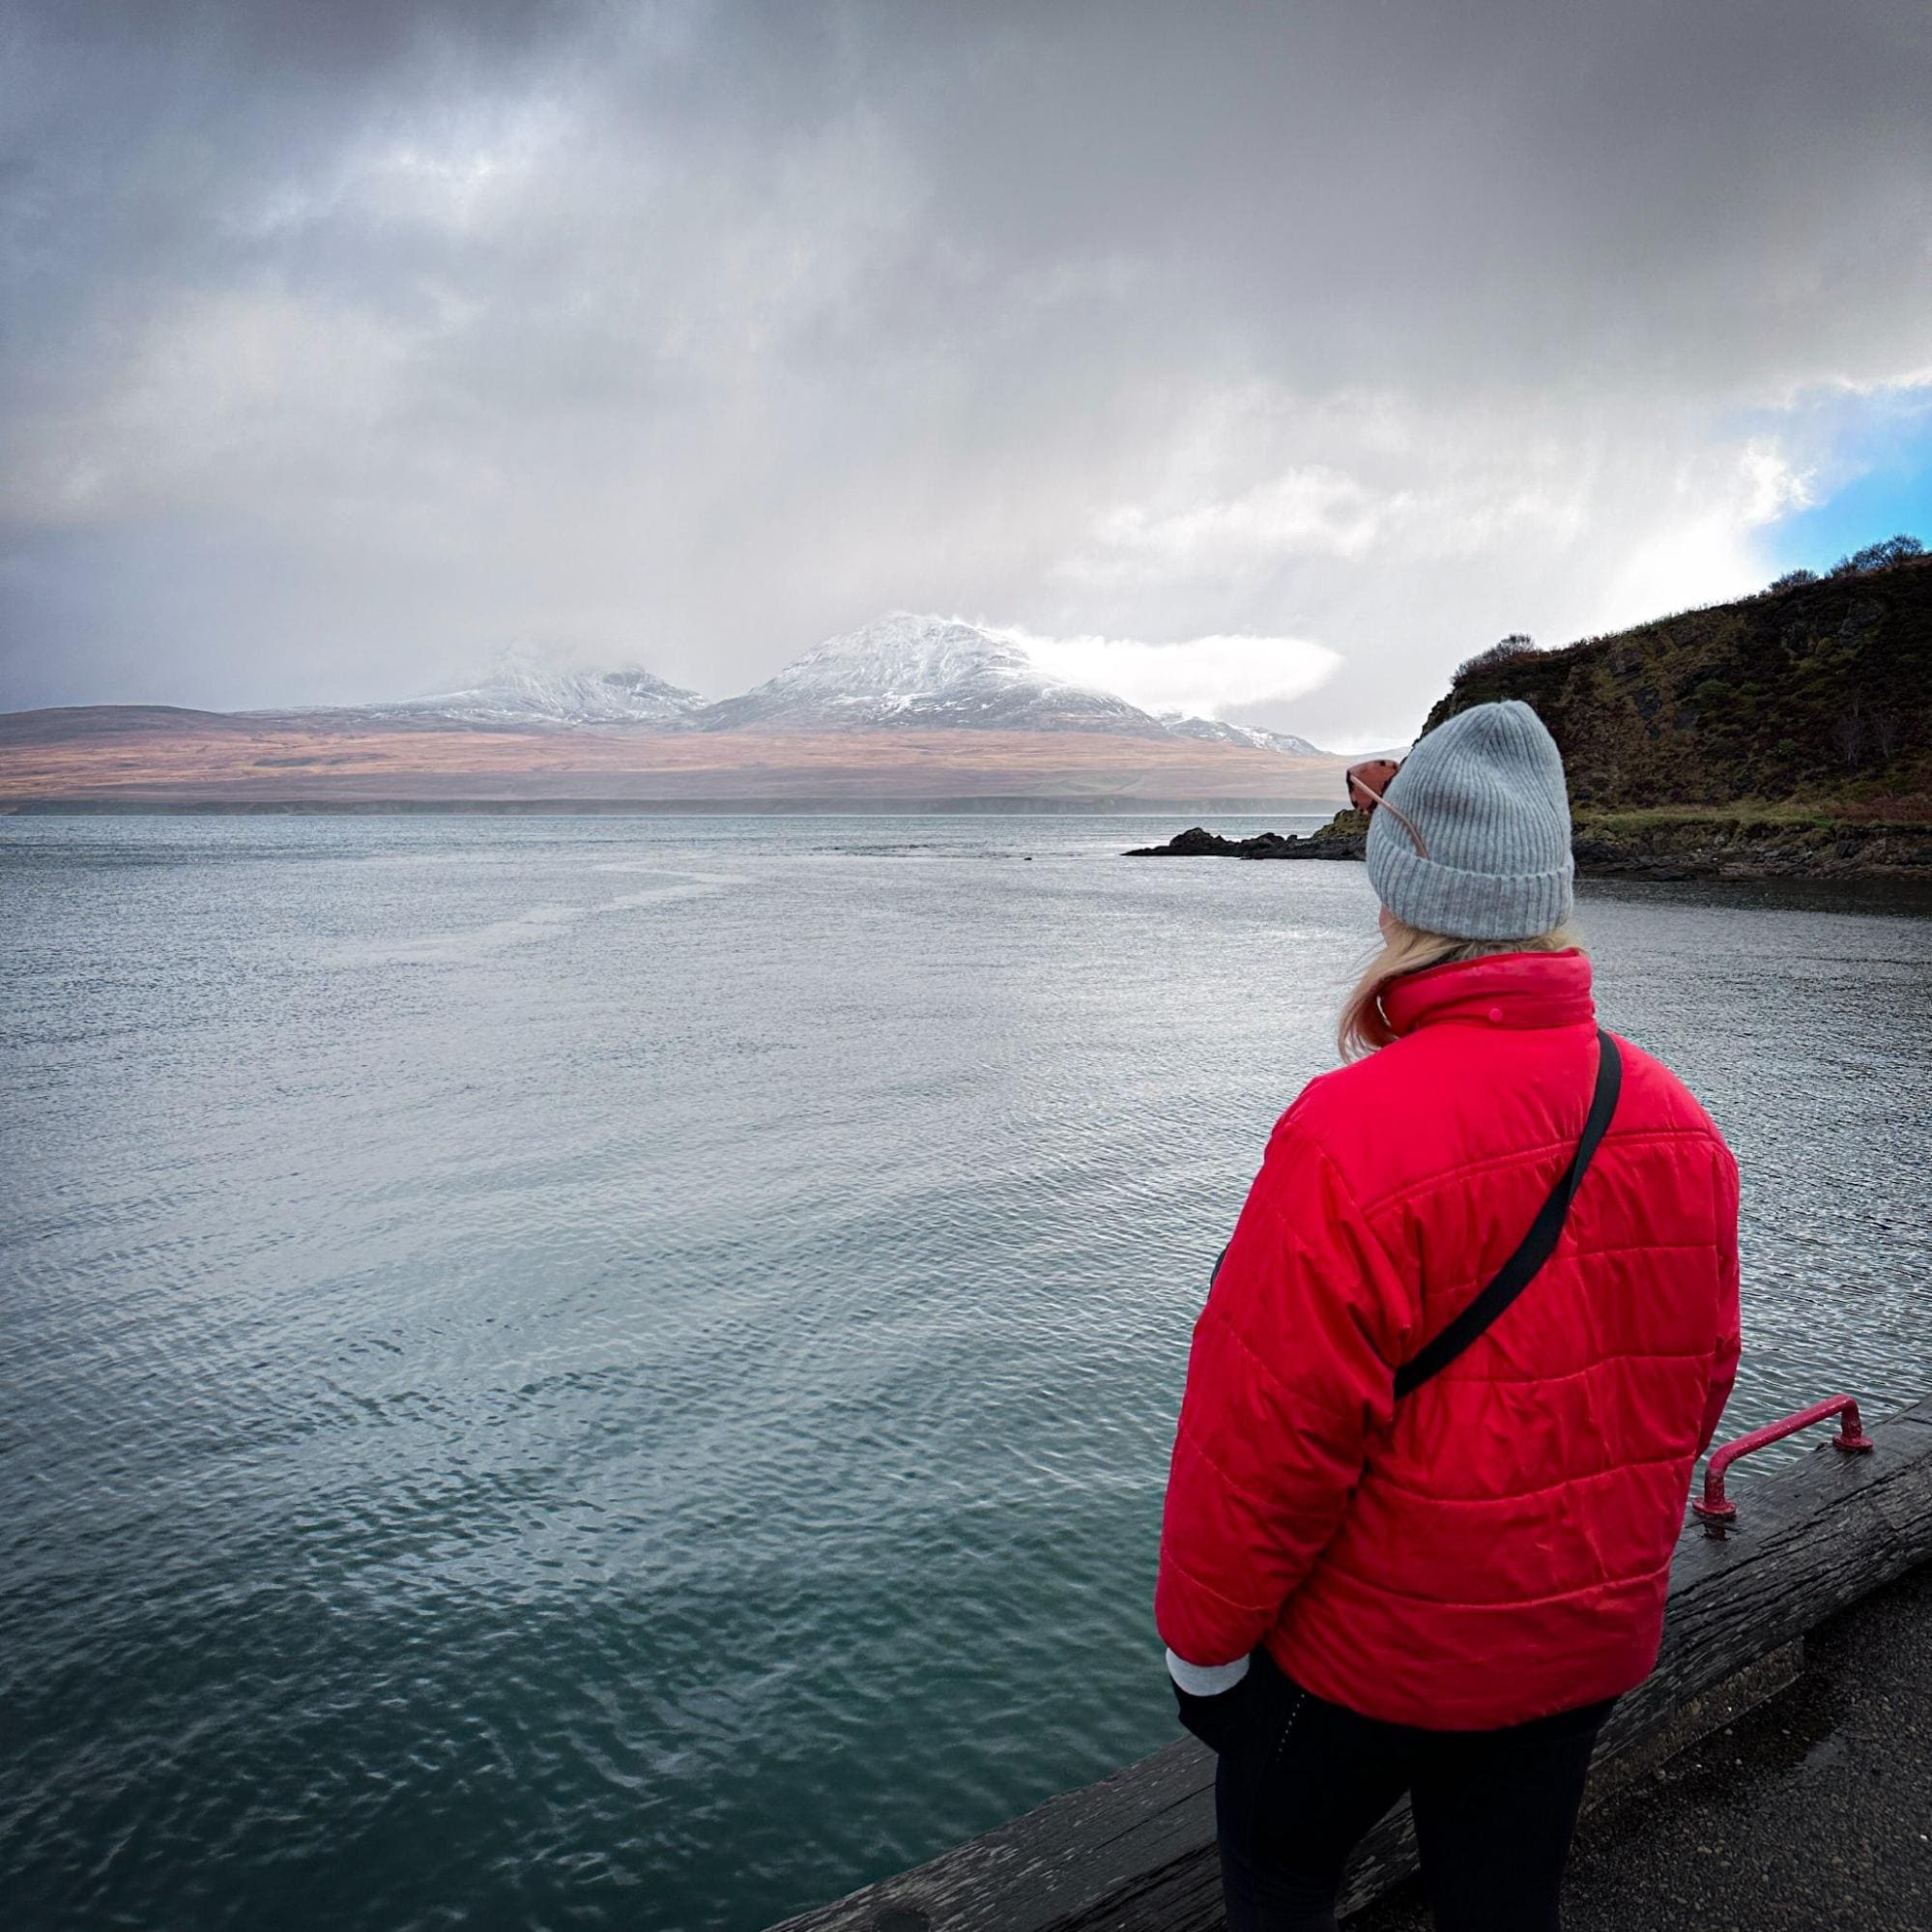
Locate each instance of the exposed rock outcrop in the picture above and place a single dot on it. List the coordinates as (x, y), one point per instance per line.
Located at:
(1344, 837)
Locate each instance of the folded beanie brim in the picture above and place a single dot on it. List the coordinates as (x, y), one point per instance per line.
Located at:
(1438, 898)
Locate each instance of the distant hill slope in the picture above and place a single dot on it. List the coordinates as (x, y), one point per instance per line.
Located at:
(519, 693)
(1820, 693)
(160, 757)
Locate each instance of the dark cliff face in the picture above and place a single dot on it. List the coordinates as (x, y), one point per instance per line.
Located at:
(1821, 692)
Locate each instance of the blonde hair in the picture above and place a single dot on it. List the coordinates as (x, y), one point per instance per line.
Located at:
(1404, 949)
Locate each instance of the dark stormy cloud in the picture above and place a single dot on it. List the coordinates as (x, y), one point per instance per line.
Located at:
(1262, 356)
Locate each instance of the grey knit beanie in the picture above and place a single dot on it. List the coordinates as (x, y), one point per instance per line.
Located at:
(1485, 791)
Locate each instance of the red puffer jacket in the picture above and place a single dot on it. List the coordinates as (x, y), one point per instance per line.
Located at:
(1497, 1546)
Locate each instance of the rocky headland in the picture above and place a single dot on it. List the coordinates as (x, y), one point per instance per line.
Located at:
(1785, 735)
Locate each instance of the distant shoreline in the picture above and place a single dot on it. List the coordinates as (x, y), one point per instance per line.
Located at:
(1111, 806)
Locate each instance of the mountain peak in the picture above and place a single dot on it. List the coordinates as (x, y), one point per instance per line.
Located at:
(912, 670)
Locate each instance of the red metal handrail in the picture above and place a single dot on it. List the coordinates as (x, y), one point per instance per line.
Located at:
(1717, 1513)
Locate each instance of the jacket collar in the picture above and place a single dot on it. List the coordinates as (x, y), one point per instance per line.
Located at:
(1503, 990)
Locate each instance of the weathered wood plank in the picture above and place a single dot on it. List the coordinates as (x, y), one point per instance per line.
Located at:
(1134, 1853)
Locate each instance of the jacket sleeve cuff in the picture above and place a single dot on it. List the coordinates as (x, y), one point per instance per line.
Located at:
(1206, 1679)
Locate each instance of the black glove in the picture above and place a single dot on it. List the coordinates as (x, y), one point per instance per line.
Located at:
(1244, 1715)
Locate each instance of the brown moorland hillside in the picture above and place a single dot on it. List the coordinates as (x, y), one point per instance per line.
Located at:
(155, 756)
(1819, 693)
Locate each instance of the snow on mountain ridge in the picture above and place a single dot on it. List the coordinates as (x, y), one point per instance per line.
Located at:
(521, 690)
(913, 669)
(1222, 731)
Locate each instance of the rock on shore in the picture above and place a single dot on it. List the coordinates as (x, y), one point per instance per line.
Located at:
(1332, 841)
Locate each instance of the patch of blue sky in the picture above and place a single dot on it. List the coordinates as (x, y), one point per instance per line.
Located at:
(1871, 477)
(1880, 503)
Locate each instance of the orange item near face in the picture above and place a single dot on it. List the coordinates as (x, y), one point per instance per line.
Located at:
(1368, 782)
(1367, 786)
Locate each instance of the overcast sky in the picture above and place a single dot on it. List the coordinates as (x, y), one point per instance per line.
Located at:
(1262, 357)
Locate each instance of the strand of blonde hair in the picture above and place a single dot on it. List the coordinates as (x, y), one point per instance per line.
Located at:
(1363, 1026)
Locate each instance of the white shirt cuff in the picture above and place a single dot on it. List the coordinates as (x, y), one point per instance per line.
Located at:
(1206, 1679)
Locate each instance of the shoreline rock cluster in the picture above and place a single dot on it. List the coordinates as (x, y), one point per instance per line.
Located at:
(1335, 839)
(1641, 847)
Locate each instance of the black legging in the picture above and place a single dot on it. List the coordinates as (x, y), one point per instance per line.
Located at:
(1494, 1812)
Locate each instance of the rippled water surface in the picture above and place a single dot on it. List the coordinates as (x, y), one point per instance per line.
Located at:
(618, 1372)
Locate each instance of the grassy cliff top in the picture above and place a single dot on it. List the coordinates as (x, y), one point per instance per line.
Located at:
(1820, 693)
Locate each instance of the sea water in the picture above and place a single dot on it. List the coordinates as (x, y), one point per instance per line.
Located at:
(618, 1372)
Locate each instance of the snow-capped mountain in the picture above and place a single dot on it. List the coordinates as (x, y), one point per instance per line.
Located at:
(920, 672)
(522, 691)
(1220, 732)
(906, 671)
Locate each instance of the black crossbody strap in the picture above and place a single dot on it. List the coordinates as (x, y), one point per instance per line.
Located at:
(1537, 1244)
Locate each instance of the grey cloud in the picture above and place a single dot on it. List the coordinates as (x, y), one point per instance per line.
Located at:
(347, 343)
